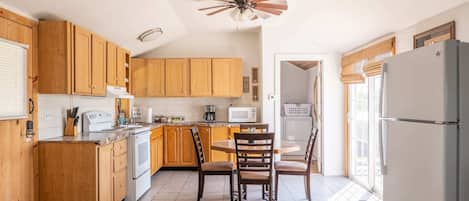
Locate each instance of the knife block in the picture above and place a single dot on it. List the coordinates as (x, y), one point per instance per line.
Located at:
(70, 129)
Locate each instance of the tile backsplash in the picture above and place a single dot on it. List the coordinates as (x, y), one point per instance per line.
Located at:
(191, 108)
(52, 111)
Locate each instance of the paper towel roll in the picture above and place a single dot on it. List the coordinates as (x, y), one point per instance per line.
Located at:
(149, 115)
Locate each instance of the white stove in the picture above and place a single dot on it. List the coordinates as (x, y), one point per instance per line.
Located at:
(138, 158)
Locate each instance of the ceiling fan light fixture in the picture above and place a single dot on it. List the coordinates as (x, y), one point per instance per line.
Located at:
(150, 34)
(239, 15)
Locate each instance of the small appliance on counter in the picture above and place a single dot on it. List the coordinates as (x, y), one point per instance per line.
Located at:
(242, 114)
(209, 114)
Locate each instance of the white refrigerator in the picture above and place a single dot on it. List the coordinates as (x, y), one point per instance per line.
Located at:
(424, 137)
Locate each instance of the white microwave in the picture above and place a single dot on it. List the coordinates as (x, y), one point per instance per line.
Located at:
(242, 114)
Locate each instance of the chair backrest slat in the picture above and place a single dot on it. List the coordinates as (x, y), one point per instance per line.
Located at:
(199, 149)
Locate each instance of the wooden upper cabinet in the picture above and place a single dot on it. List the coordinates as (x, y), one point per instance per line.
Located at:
(156, 77)
(139, 78)
(236, 78)
(201, 77)
(3, 28)
(111, 64)
(221, 77)
(82, 61)
(121, 65)
(177, 77)
(227, 77)
(55, 57)
(98, 73)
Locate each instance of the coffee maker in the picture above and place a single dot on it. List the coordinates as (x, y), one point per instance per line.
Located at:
(209, 114)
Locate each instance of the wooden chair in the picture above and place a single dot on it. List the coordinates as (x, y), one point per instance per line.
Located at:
(258, 127)
(301, 168)
(210, 168)
(254, 153)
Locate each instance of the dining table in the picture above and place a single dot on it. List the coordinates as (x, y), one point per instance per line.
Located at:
(229, 146)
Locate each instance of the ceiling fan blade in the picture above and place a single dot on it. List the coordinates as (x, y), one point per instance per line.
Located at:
(219, 11)
(254, 18)
(268, 10)
(212, 7)
(271, 5)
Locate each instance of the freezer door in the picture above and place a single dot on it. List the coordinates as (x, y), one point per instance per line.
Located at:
(421, 162)
(422, 84)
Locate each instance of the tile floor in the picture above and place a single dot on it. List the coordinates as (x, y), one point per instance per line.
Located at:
(182, 186)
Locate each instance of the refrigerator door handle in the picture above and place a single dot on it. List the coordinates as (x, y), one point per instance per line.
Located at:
(380, 126)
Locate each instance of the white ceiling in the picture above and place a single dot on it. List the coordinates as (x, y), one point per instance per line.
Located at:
(337, 24)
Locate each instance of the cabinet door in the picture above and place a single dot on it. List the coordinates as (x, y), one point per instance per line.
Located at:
(201, 77)
(159, 152)
(171, 146)
(153, 153)
(139, 78)
(120, 185)
(105, 163)
(236, 78)
(219, 133)
(221, 77)
(111, 64)
(121, 67)
(98, 59)
(177, 77)
(188, 157)
(204, 132)
(82, 61)
(156, 80)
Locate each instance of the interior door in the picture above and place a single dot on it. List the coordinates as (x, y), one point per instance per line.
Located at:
(421, 161)
(422, 84)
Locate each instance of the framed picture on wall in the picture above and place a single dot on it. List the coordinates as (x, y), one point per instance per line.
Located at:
(255, 75)
(246, 84)
(441, 33)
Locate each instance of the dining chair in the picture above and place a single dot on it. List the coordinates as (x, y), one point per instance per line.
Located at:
(300, 168)
(254, 153)
(209, 168)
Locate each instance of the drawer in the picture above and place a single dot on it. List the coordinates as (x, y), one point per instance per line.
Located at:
(120, 162)
(120, 185)
(120, 147)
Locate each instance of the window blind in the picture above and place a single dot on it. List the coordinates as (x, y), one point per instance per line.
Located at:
(13, 87)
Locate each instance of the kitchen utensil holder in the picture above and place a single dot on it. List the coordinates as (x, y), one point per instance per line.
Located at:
(70, 128)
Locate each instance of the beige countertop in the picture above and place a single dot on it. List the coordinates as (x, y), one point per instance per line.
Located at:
(99, 138)
(195, 123)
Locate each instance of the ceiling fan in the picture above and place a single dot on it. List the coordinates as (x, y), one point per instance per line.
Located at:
(244, 10)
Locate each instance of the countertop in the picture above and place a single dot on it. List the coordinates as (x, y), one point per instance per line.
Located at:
(195, 123)
(99, 138)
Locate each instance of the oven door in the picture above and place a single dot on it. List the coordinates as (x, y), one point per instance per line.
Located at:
(140, 147)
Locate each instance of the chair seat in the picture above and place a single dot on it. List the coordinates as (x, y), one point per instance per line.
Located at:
(217, 166)
(248, 175)
(290, 166)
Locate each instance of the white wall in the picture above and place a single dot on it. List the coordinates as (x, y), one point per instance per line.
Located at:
(295, 84)
(460, 14)
(288, 40)
(244, 45)
(52, 111)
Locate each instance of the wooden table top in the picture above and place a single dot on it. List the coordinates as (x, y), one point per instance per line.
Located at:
(228, 146)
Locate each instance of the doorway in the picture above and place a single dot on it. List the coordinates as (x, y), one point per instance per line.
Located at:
(298, 103)
(363, 119)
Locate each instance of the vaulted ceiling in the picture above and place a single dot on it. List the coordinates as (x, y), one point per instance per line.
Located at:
(340, 23)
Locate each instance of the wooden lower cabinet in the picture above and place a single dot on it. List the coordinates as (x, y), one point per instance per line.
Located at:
(156, 150)
(179, 147)
(217, 134)
(82, 171)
